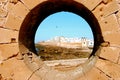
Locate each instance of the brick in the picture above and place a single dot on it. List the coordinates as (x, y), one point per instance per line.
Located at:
(109, 68)
(15, 69)
(13, 22)
(110, 53)
(7, 35)
(32, 4)
(8, 50)
(18, 9)
(109, 23)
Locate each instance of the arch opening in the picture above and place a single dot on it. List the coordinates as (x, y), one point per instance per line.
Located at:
(42, 11)
(64, 35)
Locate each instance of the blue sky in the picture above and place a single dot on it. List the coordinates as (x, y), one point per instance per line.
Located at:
(63, 24)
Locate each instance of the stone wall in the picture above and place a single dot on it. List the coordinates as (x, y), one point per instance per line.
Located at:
(12, 66)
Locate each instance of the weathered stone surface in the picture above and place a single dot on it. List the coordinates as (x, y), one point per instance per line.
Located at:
(109, 24)
(91, 4)
(13, 1)
(110, 53)
(7, 35)
(119, 61)
(110, 69)
(15, 68)
(13, 22)
(2, 21)
(118, 18)
(111, 7)
(105, 1)
(98, 12)
(32, 4)
(112, 37)
(118, 14)
(9, 50)
(18, 9)
(3, 13)
(95, 74)
(104, 10)
(3, 0)
(34, 77)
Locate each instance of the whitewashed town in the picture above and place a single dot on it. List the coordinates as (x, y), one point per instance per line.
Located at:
(62, 41)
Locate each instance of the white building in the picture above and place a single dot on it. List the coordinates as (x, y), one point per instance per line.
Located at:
(84, 42)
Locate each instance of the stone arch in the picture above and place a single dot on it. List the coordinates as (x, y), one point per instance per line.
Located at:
(12, 14)
(36, 16)
(31, 23)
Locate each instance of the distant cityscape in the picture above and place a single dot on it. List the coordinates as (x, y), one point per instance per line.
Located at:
(62, 41)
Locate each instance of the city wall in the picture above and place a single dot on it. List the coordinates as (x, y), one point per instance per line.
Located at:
(13, 66)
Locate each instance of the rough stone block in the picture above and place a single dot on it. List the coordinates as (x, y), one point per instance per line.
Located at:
(18, 9)
(110, 69)
(118, 14)
(104, 10)
(95, 74)
(34, 77)
(8, 36)
(109, 23)
(80, 1)
(111, 7)
(110, 53)
(82, 78)
(112, 37)
(91, 4)
(119, 61)
(105, 1)
(2, 21)
(13, 1)
(13, 22)
(8, 50)
(3, 1)
(3, 13)
(32, 4)
(118, 17)
(15, 69)
(98, 12)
